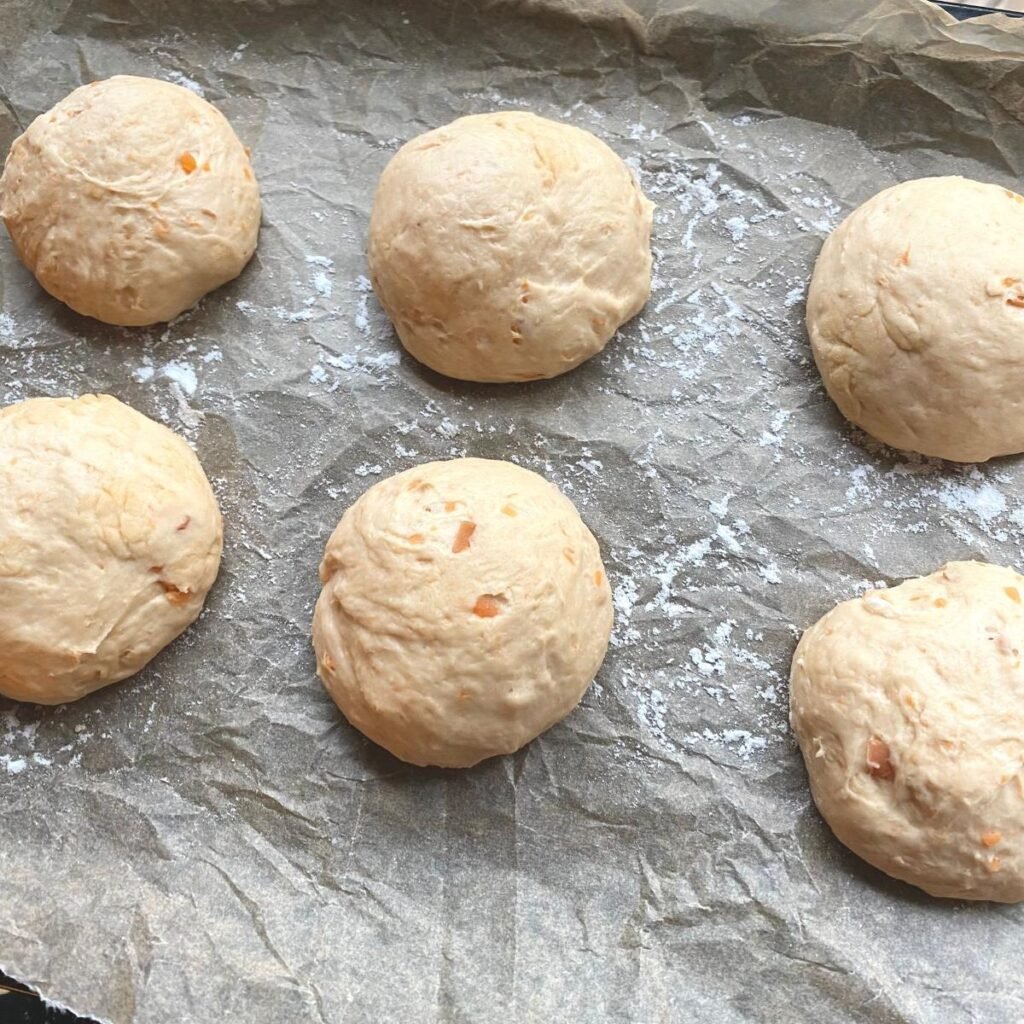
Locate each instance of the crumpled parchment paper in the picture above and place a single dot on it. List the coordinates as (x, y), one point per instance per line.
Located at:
(211, 841)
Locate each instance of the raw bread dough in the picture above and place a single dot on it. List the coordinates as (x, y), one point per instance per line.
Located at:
(506, 247)
(130, 200)
(465, 610)
(909, 707)
(916, 318)
(110, 538)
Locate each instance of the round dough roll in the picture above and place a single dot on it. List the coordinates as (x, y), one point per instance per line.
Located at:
(464, 611)
(506, 247)
(110, 538)
(130, 200)
(908, 704)
(916, 318)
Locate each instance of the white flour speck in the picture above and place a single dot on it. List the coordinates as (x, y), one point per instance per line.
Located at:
(743, 742)
(737, 228)
(720, 507)
(726, 535)
(795, 295)
(624, 599)
(189, 83)
(322, 283)
(696, 552)
(292, 316)
(362, 317)
(181, 374)
(985, 500)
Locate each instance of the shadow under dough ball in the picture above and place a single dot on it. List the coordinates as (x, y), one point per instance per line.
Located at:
(110, 539)
(916, 318)
(908, 705)
(130, 200)
(464, 610)
(506, 247)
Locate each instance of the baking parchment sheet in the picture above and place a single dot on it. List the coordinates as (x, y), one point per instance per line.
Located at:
(210, 841)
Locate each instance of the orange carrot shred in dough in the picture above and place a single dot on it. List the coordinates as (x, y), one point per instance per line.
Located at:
(174, 594)
(509, 510)
(991, 838)
(487, 606)
(188, 162)
(878, 759)
(461, 541)
(1013, 594)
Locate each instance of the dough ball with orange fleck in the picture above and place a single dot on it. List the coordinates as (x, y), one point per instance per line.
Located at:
(506, 247)
(908, 705)
(110, 538)
(464, 611)
(130, 200)
(916, 318)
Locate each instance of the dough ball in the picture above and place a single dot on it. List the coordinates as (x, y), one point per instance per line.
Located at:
(908, 704)
(110, 538)
(130, 200)
(464, 611)
(916, 318)
(506, 247)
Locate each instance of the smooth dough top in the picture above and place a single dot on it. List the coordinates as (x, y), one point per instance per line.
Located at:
(130, 200)
(110, 538)
(916, 318)
(506, 247)
(908, 704)
(465, 610)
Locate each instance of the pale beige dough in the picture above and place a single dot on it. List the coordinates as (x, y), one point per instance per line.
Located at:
(506, 247)
(916, 318)
(464, 611)
(110, 538)
(130, 200)
(908, 705)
